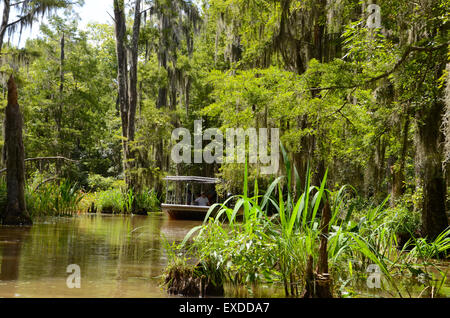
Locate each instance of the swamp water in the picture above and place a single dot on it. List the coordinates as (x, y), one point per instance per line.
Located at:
(118, 256)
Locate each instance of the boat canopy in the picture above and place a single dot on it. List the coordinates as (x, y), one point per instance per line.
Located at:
(201, 180)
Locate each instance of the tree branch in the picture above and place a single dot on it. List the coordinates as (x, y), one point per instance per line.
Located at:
(403, 58)
(44, 158)
(44, 182)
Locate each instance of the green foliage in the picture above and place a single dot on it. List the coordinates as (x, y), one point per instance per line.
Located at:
(54, 199)
(147, 201)
(78, 122)
(425, 250)
(110, 201)
(403, 220)
(97, 182)
(117, 201)
(344, 97)
(265, 249)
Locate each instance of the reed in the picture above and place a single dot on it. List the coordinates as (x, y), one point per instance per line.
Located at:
(118, 201)
(54, 199)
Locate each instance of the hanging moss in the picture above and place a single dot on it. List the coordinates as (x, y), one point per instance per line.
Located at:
(446, 125)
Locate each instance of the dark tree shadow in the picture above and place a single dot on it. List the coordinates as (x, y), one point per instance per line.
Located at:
(11, 252)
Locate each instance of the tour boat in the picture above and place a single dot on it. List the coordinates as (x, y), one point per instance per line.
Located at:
(180, 199)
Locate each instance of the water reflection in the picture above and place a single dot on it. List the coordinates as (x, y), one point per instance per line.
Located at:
(119, 256)
(11, 253)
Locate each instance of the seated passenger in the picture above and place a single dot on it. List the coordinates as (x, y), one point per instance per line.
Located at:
(202, 200)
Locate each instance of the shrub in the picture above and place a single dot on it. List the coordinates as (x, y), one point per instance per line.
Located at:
(52, 199)
(147, 201)
(403, 221)
(97, 182)
(118, 201)
(110, 201)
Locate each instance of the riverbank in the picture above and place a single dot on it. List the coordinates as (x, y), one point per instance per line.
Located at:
(62, 197)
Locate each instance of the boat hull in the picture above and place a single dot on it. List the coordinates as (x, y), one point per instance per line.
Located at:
(186, 212)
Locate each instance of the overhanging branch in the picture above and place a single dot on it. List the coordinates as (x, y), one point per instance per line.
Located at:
(45, 158)
(403, 58)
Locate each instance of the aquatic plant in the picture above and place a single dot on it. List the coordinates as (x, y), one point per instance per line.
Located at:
(277, 249)
(110, 201)
(189, 279)
(118, 201)
(146, 201)
(53, 198)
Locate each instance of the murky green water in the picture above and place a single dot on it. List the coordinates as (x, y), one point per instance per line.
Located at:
(119, 256)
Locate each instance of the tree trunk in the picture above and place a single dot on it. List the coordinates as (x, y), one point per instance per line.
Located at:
(59, 111)
(398, 174)
(323, 280)
(380, 158)
(122, 77)
(429, 169)
(162, 59)
(187, 94)
(132, 93)
(318, 284)
(447, 121)
(16, 210)
(163, 92)
(127, 84)
(5, 19)
(133, 98)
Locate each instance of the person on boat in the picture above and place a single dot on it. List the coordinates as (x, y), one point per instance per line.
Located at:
(202, 200)
(212, 195)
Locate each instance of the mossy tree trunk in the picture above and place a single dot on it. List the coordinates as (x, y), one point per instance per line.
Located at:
(122, 78)
(318, 283)
(127, 85)
(429, 169)
(16, 210)
(5, 20)
(398, 173)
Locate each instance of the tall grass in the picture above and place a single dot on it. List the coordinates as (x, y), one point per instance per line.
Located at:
(274, 249)
(118, 201)
(53, 199)
(110, 201)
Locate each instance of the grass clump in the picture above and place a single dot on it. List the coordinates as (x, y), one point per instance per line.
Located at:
(110, 201)
(54, 199)
(118, 201)
(266, 249)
